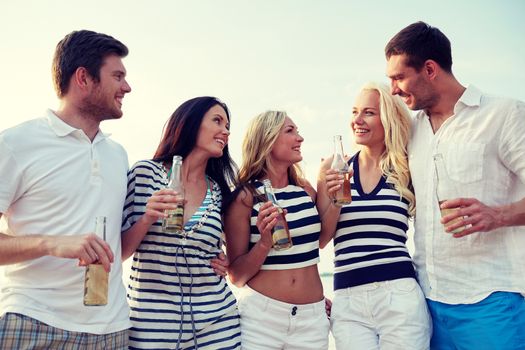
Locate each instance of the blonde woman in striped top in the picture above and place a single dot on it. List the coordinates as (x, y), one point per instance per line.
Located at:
(378, 303)
(281, 303)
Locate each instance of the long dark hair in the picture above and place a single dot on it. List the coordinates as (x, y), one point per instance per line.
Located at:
(180, 136)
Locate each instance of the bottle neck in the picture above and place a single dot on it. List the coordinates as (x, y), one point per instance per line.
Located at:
(338, 148)
(338, 161)
(270, 195)
(175, 175)
(445, 187)
(100, 227)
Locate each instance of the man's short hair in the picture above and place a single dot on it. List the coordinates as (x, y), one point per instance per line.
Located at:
(83, 48)
(420, 42)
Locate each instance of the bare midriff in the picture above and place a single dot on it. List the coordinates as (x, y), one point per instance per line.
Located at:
(294, 286)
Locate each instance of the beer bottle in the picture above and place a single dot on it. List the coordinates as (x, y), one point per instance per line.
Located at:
(446, 189)
(174, 222)
(280, 233)
(96, 277)
(343, 195)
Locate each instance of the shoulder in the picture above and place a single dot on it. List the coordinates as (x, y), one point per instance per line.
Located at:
(149, 168)
(308, 188)
(504, 106)
(243, 198)
(23, 132)
(116, 146)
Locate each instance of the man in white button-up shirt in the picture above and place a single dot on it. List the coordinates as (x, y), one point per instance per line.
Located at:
(473, 279)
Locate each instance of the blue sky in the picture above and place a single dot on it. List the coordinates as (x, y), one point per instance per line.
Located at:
(306, 57)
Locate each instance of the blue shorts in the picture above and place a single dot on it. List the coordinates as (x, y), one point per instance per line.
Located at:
(497, 322)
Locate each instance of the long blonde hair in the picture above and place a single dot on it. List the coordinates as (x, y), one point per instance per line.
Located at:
(395, 119)
(257, 145)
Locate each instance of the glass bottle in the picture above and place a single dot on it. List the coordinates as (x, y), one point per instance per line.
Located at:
(343, 195)
(446, 189)
(280, 233)
(174, 222)
(96, 278)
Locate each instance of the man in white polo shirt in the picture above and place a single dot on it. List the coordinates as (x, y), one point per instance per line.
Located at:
(58, 173)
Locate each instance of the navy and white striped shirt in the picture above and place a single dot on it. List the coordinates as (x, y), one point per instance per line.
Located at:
(171, 278)
(304, 225)
(370, 236)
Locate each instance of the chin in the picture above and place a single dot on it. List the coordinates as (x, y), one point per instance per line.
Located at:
(217, 154)
(359, 141)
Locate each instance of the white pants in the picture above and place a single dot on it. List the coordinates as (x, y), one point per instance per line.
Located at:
(271, 324)
(381, 315)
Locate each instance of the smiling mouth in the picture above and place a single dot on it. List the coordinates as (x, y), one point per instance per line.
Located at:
(221, 142)
(361, 131)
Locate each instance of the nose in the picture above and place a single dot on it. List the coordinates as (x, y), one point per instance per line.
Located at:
(357, 118)
(126, 87)
(394, 89)
(300, 138)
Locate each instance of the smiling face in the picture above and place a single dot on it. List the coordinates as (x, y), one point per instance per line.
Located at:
(105, 98)
(366, 120)
(287, 146)
(412, 86)
(214, 132)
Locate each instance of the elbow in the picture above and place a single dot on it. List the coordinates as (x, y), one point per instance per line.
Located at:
(126, 252)
(125, 255)
(323, 243)
(235, 279)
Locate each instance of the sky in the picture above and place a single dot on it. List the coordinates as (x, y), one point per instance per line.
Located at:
(309, 58)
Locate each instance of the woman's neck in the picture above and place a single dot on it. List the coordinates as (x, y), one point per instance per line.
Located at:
(370, 157)
(279, 178)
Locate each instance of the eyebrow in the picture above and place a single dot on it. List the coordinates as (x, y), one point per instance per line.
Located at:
(119, 72)
(365, 108)
(395, 76)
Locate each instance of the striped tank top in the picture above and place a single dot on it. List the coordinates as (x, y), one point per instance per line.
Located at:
(370, 237)
(304, 225)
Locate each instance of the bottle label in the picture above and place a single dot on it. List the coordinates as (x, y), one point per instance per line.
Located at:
(343, 195)
(281, 234)
(174, 222)
(96, 285)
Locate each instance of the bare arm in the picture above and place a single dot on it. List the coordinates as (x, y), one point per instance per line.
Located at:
(246, 263)
(328, 182)
(88, 248)
(155, 207)
(482, 218)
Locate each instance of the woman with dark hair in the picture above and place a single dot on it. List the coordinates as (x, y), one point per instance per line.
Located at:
(178, 296)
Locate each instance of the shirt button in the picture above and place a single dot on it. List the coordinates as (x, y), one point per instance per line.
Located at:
(294, 310)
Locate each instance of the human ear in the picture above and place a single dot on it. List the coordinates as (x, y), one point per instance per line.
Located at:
(430, 67)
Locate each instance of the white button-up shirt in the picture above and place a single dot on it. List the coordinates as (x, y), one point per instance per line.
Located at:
(483, 146)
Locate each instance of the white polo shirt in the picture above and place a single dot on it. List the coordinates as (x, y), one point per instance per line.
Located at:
(55, 181)
(483, 145)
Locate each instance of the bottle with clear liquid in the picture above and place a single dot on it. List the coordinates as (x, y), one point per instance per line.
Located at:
(280, 233)
(446, 189)
(343, 195)
(174, 222)
(96, 277)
